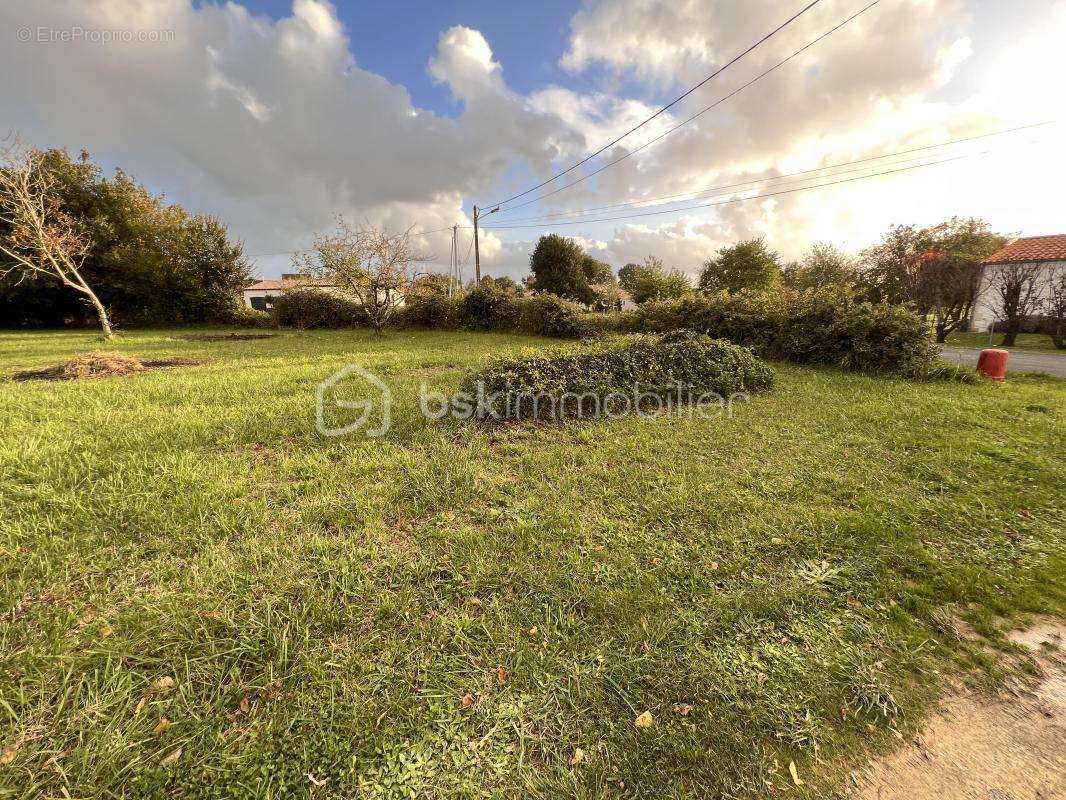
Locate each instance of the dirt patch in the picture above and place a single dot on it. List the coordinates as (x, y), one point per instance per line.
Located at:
(223, 337)
(1004, 749)
(98, 365)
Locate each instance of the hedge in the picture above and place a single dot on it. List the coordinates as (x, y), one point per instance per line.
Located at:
(811, 327)
(314, 308)
(489, 309)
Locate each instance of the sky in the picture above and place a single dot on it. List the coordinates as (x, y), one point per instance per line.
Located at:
(279, 115)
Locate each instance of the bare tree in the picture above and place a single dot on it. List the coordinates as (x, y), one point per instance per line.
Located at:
(944, 286)
(1015, 289)
(40, 238)
(367, 263)
(1055, 308)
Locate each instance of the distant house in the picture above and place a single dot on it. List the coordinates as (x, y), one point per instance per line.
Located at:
(258, 295)
(625, 300)
(1046, 254)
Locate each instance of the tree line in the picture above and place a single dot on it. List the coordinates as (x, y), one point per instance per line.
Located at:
(78, 246)
(936, 270)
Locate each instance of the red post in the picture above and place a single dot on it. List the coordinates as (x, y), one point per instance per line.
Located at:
(992, 363)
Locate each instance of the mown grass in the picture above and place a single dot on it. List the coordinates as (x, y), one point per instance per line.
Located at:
(322, 607)
(1026, 341)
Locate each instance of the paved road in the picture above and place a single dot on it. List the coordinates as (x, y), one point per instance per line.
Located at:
(1019, 360)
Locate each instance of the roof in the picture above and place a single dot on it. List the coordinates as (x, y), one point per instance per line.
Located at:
(259, 286)
(1032, 248)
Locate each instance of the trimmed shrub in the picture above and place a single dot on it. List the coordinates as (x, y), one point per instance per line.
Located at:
(681, 364)
(313, 308)
(431, 310)
(548, 315)
(811, 327)
(241, 316)
(487, 308)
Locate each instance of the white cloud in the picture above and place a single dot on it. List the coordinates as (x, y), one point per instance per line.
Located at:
(274, 126)
(269, 124)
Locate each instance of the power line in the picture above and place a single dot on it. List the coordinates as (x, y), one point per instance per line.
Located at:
(309, 249)
(733, 200)
(665, 108)
(692, 195)
(698, 114)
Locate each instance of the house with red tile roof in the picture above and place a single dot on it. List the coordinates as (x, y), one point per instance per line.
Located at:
(1046, 255)
(258, 295)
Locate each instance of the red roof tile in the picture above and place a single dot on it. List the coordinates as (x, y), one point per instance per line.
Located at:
(289, 284)
(1032, 248)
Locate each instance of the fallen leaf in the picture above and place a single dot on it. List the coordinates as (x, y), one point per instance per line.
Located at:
(794, 773)
(533, 631)
(245, 705)
(468, 700)
(645, 720)
(161, 726)
(137, 709)
(8, 754)
(501, 674)
(475, 602)
(170, 758)
(760, 679)
(54, 760)
(105, 630)
(577, 757)
(684, 709)
(777, 540)
(714, 565)
(317, 781)
(164, 684)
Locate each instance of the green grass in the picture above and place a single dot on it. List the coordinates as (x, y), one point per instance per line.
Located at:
(323, 605)
(1025, 341)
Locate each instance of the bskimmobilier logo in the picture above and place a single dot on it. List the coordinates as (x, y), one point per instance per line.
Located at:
(354, 388)
(353, 377)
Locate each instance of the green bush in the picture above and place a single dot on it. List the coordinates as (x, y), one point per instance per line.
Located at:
(314, 308)
(239, 315)
(810, 327)
(487, 308)
(431, 310)
(680, 365)
(548, 315)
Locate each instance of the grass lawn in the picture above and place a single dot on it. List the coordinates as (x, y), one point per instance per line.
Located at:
(201, 595)
(1025, 341)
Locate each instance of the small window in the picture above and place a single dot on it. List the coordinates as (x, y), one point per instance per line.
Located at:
(259, 303)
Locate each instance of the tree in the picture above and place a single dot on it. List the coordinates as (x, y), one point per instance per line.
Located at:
(745, 265)
(1015, 289)
(148, 261)
(559, 266)
(948, 271)
(508, 286)
(653, 282)
(1055, 308)
(432, 283)
(823, 265)
(627, 276)
(937, 269)
(41, 237)
(886, 268)
(371, 265)
(608, 296)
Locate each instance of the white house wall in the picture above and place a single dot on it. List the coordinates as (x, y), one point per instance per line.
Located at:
(986, 306)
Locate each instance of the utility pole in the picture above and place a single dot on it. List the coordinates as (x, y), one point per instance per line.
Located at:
(477, 254)
(453, 272)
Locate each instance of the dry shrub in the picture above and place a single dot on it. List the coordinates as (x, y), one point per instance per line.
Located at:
(91, 365)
